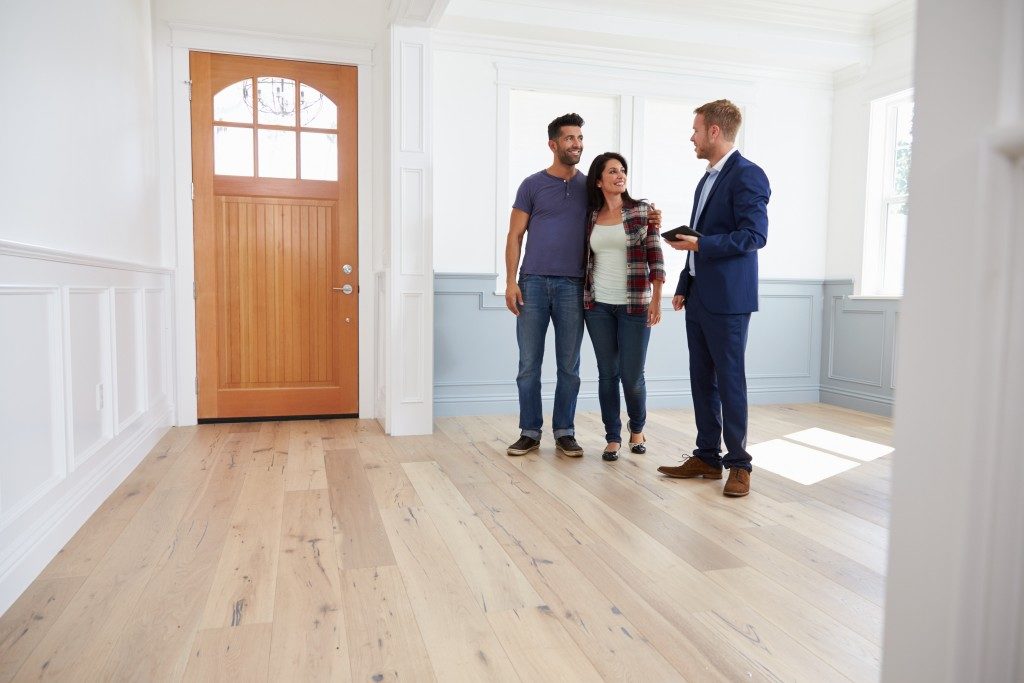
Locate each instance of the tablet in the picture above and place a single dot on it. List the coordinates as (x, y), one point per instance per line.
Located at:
(675, 233)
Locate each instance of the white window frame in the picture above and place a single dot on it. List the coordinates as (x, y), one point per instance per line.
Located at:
(880, 199)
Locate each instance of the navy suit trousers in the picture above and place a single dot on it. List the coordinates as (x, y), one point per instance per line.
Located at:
(718, 381)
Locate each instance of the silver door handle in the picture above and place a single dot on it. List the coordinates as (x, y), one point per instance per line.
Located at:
(345, 289)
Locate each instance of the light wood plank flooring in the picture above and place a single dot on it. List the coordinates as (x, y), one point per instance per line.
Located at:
(325, 550)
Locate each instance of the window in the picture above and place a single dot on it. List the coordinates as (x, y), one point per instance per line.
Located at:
(271, 136)
(885, 235)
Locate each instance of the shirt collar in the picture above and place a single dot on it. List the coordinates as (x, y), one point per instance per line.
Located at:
(714, 170)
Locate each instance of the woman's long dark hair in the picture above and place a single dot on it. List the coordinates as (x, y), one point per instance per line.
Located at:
(595, 198)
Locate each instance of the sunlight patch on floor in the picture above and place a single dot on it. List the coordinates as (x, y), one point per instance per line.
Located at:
(796, 462)
(841, 444)
(793, 457)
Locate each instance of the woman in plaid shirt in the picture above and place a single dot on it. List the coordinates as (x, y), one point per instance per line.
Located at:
(624, 264)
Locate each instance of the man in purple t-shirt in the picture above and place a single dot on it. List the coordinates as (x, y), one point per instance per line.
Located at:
(551, 205)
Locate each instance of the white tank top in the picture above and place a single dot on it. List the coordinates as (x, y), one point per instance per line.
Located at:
(609, 245)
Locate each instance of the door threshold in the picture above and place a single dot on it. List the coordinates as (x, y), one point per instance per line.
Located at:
(277, 418)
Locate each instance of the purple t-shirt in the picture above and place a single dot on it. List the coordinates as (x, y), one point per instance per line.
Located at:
(556, 231)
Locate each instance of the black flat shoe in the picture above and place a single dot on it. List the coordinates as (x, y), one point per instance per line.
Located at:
(610, 456)
(638, 448)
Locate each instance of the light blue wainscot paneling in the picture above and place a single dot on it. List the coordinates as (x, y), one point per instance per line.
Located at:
(476, 357)
(858, 352)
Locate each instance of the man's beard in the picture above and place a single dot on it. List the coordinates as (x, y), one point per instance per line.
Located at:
(568, 158)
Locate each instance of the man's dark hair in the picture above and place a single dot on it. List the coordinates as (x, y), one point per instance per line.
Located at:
(555, 127)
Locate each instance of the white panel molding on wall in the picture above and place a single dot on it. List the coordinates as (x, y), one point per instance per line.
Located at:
(409, 282)
(35, 457)
(66, 448)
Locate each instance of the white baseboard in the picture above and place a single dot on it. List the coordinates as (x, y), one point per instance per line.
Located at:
(33, 549)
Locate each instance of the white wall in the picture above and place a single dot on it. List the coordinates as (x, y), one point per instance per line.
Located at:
(787, 132)
(86, 313)
(78, 168)
(955, 595)
(890, 71)
(334, 19)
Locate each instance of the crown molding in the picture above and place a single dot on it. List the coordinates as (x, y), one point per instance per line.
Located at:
(416, 12)
(763, 12)
(895, 21)
(528, 54)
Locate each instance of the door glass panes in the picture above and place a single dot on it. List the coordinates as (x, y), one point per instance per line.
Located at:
(232, 151)
(319, 156)
(277, 153)
(318, 111)
(275, 101)
(234, 103)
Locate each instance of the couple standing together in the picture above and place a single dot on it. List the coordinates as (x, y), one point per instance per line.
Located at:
(594, 254)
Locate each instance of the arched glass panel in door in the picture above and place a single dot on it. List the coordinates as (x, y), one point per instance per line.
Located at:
(275, 127)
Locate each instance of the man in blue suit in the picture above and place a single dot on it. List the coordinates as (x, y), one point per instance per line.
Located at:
(718, 288)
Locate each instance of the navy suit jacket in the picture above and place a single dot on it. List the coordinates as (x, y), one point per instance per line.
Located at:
(734, 225)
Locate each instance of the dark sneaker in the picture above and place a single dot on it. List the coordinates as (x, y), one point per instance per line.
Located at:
(523, 446)
(568, 445)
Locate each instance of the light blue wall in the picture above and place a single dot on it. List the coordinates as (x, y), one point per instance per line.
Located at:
(476, 357)
(858, 351)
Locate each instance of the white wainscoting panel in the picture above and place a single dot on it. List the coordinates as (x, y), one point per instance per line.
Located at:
(127, 364)
(33, 457)
(84, 345)
(91, 386)
(154, 346)
(412, 358)
(413, 219)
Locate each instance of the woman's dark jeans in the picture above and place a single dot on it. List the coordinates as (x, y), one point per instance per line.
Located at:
(620, 344)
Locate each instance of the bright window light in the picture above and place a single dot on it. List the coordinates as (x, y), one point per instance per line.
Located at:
(841, 444)
(796, 462)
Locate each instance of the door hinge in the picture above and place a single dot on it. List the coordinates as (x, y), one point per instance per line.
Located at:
(195, 291)
(197, 385)
(188, 84)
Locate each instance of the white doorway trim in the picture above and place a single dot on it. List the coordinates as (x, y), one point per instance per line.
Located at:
(186, 37)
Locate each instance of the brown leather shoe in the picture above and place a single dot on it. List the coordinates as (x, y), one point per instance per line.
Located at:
(738, 483)
(693, 467)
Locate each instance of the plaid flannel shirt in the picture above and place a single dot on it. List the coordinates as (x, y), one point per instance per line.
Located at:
(644, 261)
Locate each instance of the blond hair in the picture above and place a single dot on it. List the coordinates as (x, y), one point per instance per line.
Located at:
(724, 114)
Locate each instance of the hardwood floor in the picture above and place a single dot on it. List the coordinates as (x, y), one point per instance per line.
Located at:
(325, 550)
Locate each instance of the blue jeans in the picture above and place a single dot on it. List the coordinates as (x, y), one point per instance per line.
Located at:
(560, 300)
(620, 344)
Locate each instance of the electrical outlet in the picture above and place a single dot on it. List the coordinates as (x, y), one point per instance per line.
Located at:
(99, 396)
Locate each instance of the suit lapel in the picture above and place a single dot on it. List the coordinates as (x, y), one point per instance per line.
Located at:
(696, 198)
(718, 183)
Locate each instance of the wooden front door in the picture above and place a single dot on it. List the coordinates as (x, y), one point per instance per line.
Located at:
(277, 297)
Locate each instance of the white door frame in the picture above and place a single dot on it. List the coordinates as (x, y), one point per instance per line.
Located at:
(185, 38)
